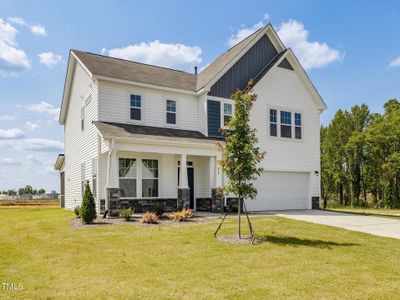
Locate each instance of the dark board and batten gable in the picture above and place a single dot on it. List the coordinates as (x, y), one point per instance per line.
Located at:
(246, 68)
(285, 64)
(214, 118)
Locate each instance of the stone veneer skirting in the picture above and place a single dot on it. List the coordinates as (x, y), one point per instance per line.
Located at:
(203, 204)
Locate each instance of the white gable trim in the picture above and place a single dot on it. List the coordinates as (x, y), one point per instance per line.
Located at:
(267, 30)
(72, 60)
(289, 55)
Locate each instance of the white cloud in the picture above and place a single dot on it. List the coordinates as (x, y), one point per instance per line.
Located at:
(9, 162)
(177, 56)
(17, 20)
(266, 17)
(49, 58)
(12, 59)
(33, 144)
(30, 126)
(7, 118)
(43, 107)
(244, 33)
(395, 63)
(13, 133)
(38, 30)
(312, 55)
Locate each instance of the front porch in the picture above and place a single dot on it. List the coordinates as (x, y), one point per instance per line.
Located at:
(142, 174)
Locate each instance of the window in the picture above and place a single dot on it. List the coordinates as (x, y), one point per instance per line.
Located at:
(82, 117)
(83, 171)
(127, 176)
(227, 113)
(94, 177)
(286, 124)
(136, 107)
(149, 178)
(297, 126)
(171, 112)
(273, 126)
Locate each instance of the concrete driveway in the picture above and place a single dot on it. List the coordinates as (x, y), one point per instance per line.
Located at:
(373, 225)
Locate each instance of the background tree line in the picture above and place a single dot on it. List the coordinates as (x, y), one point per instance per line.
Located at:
(360, 157)
(25, 190)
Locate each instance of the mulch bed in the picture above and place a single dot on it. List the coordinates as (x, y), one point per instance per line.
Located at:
(135, 221)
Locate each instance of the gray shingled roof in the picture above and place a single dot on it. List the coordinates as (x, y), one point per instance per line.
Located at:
(134, 71)
(119, 130)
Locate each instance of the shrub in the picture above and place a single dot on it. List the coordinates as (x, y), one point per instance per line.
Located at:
(88, 209)
(126, 213)
(158, 209)
(77, 211)
(149, 218)
(180, 216)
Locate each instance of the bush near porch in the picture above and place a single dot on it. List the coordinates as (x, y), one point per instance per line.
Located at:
(40, 249)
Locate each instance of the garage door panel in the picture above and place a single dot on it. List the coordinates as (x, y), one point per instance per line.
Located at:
(281, 190)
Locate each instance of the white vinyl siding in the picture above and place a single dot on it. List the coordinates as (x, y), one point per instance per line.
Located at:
(114, 106)
(285, 91)
(80, 146)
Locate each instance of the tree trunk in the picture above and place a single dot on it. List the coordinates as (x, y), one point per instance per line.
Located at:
(239, 206)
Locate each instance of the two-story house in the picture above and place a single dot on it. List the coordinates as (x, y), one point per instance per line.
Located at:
(142, 134)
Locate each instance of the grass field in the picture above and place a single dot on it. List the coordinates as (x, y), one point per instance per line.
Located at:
(392, 213)
(36, 202)
(39, 249)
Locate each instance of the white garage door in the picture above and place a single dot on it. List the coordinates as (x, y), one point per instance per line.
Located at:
(281, 190)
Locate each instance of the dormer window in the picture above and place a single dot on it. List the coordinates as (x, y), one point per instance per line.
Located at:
(171, 112)
(136, 107)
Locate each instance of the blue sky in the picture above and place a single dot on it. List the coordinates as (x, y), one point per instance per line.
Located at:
(351, 50)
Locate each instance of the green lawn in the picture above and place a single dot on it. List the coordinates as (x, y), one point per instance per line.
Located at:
(39, 249)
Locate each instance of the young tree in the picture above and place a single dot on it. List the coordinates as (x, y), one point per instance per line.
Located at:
(241, 155)
(88, 208)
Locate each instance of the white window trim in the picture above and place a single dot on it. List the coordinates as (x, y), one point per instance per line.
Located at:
(176, 125)
(142, 108)
(153, 178)
(139, 178)
(278, 131)
(136, 160)
(83, 117)
(222, 114)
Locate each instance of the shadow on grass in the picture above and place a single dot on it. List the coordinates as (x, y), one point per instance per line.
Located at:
(294, 241)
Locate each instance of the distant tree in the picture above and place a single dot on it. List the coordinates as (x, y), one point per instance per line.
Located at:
(88, 208)
(21, 191)
(241, 155)
(11, 192)
(41, 191)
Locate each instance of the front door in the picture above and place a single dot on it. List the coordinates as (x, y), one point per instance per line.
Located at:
(190, 175)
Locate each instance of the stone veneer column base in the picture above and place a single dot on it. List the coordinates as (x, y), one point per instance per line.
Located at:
(113, 195)
(315, 202)
(183, 198)
(217, 200)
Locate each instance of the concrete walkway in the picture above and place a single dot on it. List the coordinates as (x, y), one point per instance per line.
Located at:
(373, 225)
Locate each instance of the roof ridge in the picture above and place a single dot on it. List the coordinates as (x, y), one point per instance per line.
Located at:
(131, 61)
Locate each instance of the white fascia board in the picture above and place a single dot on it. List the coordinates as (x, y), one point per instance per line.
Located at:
(306, 79)
(72, 59)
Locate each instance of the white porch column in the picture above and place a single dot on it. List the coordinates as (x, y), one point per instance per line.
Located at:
(183, 180)
(218, 173)
(113, 181)
(212, 162)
